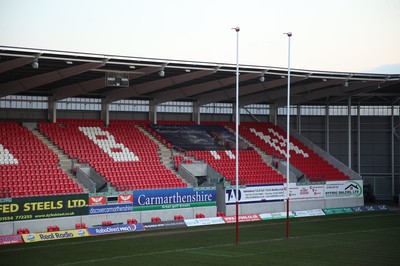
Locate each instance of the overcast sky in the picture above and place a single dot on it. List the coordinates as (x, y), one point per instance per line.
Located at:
(339, 35)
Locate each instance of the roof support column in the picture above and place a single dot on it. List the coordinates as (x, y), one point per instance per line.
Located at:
(233, 119)
(393, 133)
(327, 129)
(52, 110)
(349, 131)
(298, 120)
(273, 111)
(152, 112)
(358, 139)
(196, 113)
(105, 112)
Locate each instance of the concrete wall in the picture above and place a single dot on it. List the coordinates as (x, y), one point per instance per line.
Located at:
(344, 202)
(307, 205)
(253, 208)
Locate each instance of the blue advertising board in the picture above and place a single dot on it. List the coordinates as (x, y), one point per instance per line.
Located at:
(112, 208)
(173, 198)
(115, 229)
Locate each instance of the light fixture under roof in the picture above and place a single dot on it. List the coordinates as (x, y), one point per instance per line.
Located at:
(132, 67)
(35, 64)
(161, 73)
(69, 62)
(262, 78)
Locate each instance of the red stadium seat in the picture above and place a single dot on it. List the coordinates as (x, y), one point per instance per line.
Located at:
(200, 215)
(155, 219)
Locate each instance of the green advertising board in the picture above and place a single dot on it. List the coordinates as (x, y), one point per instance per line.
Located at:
(337, 210)
(41, 207)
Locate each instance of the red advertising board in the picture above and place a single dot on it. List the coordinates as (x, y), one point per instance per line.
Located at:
(97, 200)
(125, 198)
(242, 218)
(10, 239)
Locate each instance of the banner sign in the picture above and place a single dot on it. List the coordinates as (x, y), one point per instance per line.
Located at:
(164, 225)
(204, 221)
(97, 200)
(344, 189)
(44, 207)
(337, 210)
(371, 208)
(125, 198)
(306, 192)
(242, 218)
(11, 239)
(36, 237)
(275, 215)
(115, 229)
(199, 137)
(255, 194)
(308, 213)
(173, 198)
(112, 208)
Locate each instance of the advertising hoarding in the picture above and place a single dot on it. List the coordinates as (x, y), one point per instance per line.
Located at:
(173, 198)
(44, 207)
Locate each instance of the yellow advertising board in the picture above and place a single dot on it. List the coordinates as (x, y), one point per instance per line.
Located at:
(45, 236)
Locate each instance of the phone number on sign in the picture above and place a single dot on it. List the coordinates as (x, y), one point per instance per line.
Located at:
(17, 217)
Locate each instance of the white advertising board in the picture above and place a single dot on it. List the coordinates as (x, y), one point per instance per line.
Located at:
(344, 189)
(254, 194)
(306, 192)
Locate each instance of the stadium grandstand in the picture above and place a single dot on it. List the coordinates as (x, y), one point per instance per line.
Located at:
(75, 124)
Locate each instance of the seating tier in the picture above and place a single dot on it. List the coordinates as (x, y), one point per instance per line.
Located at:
(272, 140)
(121, 153)
(252, 170)
(28, 167)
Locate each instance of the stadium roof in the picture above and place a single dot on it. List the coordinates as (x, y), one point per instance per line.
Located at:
(67, 74)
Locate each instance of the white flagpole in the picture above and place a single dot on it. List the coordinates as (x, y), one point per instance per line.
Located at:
(289, 34)
(237, 29)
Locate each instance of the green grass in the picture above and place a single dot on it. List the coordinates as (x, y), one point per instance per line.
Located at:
(357, 239)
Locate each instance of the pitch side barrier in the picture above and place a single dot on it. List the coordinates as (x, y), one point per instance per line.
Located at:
(67, 210)
(164, 225)
(36, 213)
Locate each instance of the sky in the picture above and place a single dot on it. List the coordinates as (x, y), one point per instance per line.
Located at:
(340, 35)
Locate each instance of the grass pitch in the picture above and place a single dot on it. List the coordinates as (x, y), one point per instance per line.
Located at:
(356, 239)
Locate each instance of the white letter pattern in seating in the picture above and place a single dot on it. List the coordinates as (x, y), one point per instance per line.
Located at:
(117, 151)
(230, 154)
(218, 157)
(278, 142)
(215, 155)
(6, 157)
